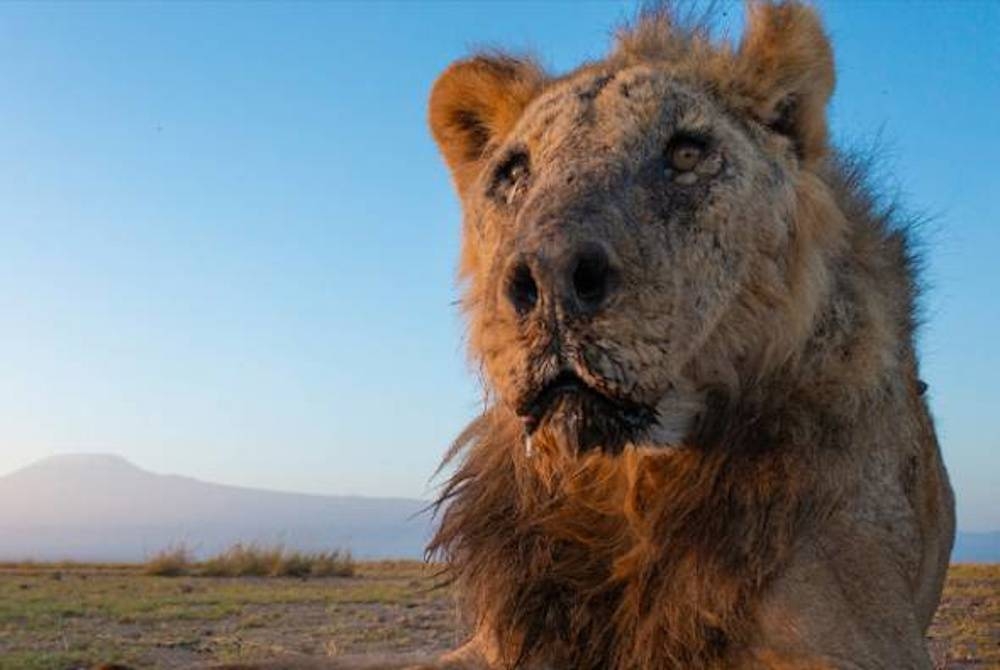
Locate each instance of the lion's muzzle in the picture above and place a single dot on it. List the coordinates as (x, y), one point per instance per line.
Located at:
(596, 420)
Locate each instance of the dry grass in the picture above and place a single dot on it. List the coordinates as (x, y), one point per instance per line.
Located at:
(251, 560)
(30, 566)
(94, 614)
(73, 616)
(170, 562)
(966, 630)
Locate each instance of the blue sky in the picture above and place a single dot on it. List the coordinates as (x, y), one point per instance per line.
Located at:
(227, 242)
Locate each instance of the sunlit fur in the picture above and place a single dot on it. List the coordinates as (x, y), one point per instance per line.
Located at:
(802, 518)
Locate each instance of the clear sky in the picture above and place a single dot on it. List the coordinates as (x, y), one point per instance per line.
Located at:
(227, 242)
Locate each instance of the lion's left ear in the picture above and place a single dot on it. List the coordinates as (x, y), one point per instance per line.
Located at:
(784, 72)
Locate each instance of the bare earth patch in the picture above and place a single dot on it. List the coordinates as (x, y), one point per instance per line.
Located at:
(966, 630)
(77, 616)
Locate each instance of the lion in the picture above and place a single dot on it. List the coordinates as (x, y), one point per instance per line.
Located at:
(706, 443)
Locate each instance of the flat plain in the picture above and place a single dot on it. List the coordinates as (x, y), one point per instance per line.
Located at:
(58, 617)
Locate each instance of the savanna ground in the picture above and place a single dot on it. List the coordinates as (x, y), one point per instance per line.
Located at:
(62, 617)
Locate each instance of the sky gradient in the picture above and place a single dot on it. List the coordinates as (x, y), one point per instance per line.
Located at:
(227, 242)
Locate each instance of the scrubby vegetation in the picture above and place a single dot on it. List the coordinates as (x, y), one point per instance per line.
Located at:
(93, 614)
(251, 560)
(58, 616)
(966, 630)
(170, 562)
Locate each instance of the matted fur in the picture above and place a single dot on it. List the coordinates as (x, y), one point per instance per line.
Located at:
(805, 518)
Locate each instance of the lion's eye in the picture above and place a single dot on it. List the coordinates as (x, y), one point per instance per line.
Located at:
(685, 152)
(510, 178)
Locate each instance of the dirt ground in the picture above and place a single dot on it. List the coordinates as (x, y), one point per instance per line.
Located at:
(57, 618)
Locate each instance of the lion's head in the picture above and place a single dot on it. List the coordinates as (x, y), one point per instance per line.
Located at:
(644, 229)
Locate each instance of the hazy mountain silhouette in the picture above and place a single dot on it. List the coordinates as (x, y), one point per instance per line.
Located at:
(977, 548)
(101, 507)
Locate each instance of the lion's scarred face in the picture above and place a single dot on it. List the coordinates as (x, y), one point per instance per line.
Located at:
(630, 229)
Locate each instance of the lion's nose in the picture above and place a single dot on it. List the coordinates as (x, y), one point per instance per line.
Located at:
(591, 277)
(521, 288)
(580, 281)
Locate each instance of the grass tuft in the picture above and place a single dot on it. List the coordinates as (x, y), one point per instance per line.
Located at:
(170, 562)
(251, 560)
(331, 564)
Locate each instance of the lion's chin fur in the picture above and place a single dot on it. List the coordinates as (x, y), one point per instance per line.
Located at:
(571, 555)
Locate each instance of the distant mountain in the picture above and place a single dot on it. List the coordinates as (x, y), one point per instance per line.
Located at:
(977, 548)
(100, 507)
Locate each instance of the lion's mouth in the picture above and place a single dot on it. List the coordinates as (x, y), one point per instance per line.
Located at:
(533, 411)
(599, 419)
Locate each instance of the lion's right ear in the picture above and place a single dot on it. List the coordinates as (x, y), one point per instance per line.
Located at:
(785, 68)
(474, 104)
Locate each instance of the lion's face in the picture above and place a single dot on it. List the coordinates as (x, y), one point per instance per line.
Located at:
(614, 227)
(627, 239)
